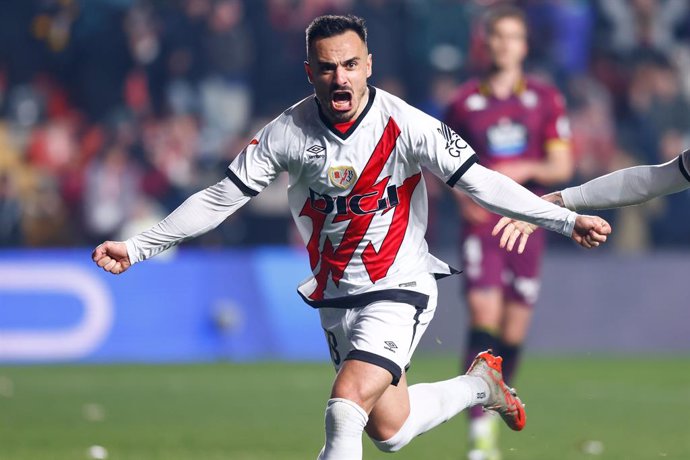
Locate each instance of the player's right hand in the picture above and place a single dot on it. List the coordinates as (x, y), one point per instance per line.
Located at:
(112, 257)
(590, 231)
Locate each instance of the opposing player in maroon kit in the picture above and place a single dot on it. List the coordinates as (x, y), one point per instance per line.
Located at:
(517, 125)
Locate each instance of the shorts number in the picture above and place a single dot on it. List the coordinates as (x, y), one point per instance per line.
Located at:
(333, 347)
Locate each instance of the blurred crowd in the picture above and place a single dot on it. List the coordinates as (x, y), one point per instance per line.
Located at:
(113, 111)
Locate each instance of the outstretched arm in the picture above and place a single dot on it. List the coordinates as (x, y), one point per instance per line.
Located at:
(201, 212)
(630, 186)
(502, 195)
(625, 187)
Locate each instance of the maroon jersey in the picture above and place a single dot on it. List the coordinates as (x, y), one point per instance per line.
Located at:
(519, 127)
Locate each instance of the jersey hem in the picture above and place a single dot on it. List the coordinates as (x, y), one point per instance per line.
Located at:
(414, 298)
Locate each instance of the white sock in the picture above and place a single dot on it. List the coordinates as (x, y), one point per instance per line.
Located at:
(345, 422)
(434, 403)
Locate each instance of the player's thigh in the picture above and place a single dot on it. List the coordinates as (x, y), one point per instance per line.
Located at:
(361, 382)
(483, 265)
(390, 412)
(483, 262)
(525, 271)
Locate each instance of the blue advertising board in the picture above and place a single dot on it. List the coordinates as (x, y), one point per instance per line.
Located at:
(193, 305)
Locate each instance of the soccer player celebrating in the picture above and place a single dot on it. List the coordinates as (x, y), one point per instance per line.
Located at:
(354, 155)
(518, 127)
(625, 187)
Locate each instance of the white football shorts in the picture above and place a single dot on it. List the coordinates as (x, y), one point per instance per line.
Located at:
(384, 333)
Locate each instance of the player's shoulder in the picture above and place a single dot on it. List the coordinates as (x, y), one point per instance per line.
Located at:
(467, 97)
(405, 115)
(542, 86)
(293, 121)
(298, 114)
(546, 92)
(466, 90)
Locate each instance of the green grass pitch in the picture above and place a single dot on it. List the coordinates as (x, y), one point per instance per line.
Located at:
(633, 408)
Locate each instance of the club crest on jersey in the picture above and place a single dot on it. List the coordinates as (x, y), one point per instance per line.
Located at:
(342, 176)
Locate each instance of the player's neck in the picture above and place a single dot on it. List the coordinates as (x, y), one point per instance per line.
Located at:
(505, 82)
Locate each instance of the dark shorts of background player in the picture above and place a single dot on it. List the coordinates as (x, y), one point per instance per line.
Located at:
(486, 265)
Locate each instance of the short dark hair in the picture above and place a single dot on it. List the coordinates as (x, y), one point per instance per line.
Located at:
(503, 11)
(330, 25)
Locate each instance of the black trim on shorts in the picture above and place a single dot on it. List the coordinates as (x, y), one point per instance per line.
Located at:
(376, 360)
(683, 171)
(414, 298)
(346, 134)
(240, 185)
(416, 323)
(462, 170)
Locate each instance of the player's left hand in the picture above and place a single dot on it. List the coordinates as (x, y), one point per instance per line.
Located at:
(512, 231)
(590, 231)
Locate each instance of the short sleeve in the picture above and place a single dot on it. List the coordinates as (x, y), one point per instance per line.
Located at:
(259, 163)
(441, 150)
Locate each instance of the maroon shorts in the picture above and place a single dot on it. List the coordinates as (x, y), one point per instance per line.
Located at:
(485, 264)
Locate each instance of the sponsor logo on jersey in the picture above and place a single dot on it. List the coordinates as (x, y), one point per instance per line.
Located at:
(454, 143)
(342, 176)
(390, 345)
(507, 138)
(359, 205)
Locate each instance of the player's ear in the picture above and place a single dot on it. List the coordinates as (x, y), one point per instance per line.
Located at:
(369, 65)
(308, 70)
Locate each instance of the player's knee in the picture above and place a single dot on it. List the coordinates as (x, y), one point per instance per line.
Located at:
(349, 390)
(344, 416)
(393, 443)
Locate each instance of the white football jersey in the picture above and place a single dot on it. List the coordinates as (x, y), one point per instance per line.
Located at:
(358, 198)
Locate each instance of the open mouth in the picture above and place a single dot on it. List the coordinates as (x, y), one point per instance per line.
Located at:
(341, 101)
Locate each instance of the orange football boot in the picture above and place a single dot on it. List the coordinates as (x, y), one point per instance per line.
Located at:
(502, 399)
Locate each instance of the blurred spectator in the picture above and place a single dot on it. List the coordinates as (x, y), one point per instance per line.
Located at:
(112, 187)
(155, 97)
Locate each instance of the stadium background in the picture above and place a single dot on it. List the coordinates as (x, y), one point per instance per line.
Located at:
(113, 111)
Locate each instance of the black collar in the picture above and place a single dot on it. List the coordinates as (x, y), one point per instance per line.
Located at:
(346, 134)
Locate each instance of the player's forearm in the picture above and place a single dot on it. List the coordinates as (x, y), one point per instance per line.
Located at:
(201, 212)
(627, 187)
(504, 196)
